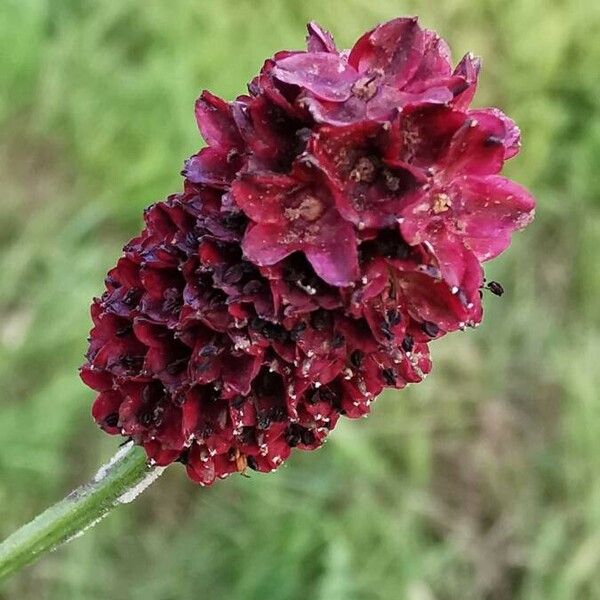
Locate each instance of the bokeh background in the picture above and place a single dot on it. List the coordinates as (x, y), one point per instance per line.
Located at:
(481, 483)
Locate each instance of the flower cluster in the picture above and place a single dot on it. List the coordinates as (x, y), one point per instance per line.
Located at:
(334, 224)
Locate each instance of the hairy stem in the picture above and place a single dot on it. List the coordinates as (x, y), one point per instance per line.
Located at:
(118, 482)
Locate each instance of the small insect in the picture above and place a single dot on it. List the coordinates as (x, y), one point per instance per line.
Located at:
(496, 288)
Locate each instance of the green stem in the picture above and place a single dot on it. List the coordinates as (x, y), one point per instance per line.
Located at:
(118, 482)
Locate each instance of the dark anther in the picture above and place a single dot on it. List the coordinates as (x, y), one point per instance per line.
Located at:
(205, 431)
(278, 414)
(178, 399)
(408, 343)
(393, 317)
(323, 394)
(299, 273)
(233, 221)
(459, 87)
(392, 182)
(176, 366)
(238, 402)
(246, 436)
(191, 239)
(385, 329)
(307, 437)
(431, 329)
(303, 134)
(233, 274)
(153, 393)
(112, 420)
(263, 419)
(252, 464)
(291, 274)
(320, 320)
(158, 416)
(257, 324)
(328, 395)
(172, 300)
(313, 396)
(133, 363)
(147, 418)
(208, 350)
(337, 340)
(184, 457)
(492, 140)
(252, 287)
(268, 330)
(391, 245)
(111, 282)
(267, 384)
(495, 288)
(124, 331)
(215, 298)
(356, 359)
(132, 297)
(297, 330)
(293, 435)
(389, 377)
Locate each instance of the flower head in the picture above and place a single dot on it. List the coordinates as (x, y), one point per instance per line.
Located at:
(334, 225)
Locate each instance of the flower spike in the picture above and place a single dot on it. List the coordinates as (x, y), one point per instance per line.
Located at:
(334, 225)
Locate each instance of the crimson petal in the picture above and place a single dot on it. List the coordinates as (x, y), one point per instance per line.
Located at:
(395, 48)
(491, 209)
(216, 122)
(318, 39)
(211, 166)
(328, 76)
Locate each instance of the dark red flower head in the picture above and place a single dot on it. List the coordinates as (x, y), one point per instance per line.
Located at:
(333, 226)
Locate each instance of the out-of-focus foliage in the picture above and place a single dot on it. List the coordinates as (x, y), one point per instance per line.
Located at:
(483, 482)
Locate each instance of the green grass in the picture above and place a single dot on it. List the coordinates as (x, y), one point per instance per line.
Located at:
(481, 483)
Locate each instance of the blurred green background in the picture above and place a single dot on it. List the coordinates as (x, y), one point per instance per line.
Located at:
(482, 482)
